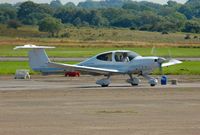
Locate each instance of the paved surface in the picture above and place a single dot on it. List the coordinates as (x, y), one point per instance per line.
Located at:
(83, 82)
(75, 59)
(56, 105)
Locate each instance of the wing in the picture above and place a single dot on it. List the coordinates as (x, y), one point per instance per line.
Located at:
(69, 67)
(171, 62)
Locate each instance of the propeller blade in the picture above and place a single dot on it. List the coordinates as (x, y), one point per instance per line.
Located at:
(171, 62)
(160, 62)
(160, 68)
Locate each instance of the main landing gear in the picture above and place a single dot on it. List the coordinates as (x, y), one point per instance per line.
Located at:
(104, 82)
(133, 80)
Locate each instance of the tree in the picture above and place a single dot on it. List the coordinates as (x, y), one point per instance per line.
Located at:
(70, 5)
(50, 25)
(7, 12)
(192, 26)
(56, 4)
(31, 13)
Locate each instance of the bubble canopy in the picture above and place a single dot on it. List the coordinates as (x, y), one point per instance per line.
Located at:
(118, 56)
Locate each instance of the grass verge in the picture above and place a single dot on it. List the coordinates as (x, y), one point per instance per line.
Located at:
(62, 51)
(186, 68)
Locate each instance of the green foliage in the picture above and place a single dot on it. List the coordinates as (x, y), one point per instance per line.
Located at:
(90, 4)
(70, 5)
(50, 25)
(192, 26)
(31, 13)
(56, 4)
(146, 16)
(80, 17)
(7, 12)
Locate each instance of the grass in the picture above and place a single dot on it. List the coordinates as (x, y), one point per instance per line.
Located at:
(10, 67)
(62, 51)
(186, 68)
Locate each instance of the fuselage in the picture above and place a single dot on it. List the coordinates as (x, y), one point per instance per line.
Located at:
(134, 64)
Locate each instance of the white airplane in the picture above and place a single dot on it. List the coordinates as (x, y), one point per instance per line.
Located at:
(107, 64)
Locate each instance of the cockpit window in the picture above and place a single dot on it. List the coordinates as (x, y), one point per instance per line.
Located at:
(121, 57)
(124, 56)
(105, 57)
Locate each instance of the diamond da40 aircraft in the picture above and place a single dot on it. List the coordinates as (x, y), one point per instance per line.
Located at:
(107, 64)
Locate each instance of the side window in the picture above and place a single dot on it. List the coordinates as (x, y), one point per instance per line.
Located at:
(121, 57)
(105, 57)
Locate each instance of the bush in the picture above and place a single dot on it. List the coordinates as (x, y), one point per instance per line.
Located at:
(50, 25)
(66, 35)
(132, 28)
(195, 37)
(187, 36)
(13, 24)
(165, 32)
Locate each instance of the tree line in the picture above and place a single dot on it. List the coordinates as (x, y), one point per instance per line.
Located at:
(147, 16)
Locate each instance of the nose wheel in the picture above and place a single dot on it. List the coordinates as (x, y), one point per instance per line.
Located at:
(152, 81)
(104, 85)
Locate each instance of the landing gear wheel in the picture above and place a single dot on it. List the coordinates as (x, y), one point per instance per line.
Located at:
(104, 85)
(134, 81)
(103, 82)
(133, 84)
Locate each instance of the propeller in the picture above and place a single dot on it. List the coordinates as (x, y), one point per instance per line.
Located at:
(160, 62)
(164, 62)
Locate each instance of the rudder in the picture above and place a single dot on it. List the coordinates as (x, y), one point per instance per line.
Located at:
(38, 59)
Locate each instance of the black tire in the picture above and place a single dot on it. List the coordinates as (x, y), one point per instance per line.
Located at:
(152, 85)
(133, 84)
(104, 85)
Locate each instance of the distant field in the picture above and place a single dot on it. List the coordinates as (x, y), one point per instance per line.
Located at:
(95, 37)
(62, 51)
(186, 68)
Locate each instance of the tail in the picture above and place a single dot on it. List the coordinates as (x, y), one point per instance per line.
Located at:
(38, 59)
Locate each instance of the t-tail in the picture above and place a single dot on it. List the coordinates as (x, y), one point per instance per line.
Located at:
(38, 59)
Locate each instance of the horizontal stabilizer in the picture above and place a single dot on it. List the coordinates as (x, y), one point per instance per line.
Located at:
(30, 46)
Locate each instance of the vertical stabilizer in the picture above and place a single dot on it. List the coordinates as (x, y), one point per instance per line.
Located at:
(38, 59)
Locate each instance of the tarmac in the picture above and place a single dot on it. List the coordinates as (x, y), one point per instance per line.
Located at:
(58, 105)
